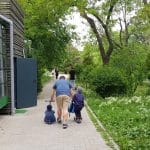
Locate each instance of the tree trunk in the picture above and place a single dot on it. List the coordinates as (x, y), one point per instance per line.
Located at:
(99, 39)
(106, 60)
(105, 55)
(145, 2)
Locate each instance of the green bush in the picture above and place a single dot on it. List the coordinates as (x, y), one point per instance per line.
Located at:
(148, 75)
(39, 80)
(110, 82)
(126, 119)
(83, 74)
(131, 60)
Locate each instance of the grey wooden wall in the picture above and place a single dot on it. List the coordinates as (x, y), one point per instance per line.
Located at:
(11, 10)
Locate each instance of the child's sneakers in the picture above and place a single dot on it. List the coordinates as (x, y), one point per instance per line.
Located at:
(78, 120)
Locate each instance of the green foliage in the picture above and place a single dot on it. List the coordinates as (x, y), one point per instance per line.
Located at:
(125, 119)
(142, 90)
(148, 66)
(50, 36)
(148, 75)
(40, 72)
(46, 31)
(131, 61)
(148, 91)
(109, 82)
(89, 62)
(45, 79)
(141, 24)
(72, 57)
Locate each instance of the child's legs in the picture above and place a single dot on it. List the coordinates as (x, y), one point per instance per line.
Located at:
(77, 111)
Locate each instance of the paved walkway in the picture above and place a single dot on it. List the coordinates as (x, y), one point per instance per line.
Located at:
(28, 132)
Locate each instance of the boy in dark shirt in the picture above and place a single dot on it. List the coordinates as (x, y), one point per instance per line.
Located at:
(56, 73)
(78, 100)
(49, 115)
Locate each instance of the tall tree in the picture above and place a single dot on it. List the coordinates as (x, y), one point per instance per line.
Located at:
(45, 28)
(103, 16)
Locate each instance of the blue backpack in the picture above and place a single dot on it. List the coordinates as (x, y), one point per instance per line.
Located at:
(71, 108)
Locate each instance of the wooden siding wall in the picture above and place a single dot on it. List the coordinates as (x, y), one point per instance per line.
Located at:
(11, 10)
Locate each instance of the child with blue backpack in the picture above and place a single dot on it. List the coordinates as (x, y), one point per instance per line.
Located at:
(78, 101)
(49, 115)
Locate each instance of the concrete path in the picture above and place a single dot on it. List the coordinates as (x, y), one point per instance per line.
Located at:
(27, 131)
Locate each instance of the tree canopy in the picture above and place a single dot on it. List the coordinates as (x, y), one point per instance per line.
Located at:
(117, 25)
(45, 28)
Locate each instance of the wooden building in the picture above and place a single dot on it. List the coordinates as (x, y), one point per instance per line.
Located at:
(11, 47)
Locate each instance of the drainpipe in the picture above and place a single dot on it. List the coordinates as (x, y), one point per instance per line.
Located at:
(12, 63)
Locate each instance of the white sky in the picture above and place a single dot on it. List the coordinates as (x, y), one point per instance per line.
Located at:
(81, 28)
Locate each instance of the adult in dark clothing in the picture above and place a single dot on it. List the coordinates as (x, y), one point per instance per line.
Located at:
(56, 73)
(72, 76)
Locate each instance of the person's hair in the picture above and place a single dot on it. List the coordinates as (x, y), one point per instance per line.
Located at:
(62, 77)
(79, 89)
(49, 107)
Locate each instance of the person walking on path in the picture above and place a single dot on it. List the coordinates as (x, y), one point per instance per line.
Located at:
(72, 76)
(63, 90)
(56, 73)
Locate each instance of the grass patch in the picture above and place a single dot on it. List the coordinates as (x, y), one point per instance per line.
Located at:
(126, 119)
(21, 111)
(100, 129)
(143, 89)
(45, 79)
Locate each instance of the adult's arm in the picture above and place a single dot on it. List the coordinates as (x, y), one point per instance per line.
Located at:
(72, 93)
(53, 95)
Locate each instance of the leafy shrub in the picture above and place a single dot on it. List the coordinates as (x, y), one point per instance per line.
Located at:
(126, 119)
(148, 75)
(148, 91)
(39, 80)
(110, 82)
(83, 74)
(131, 60)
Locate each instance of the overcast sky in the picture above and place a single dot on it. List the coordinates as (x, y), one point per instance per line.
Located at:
(81, 29)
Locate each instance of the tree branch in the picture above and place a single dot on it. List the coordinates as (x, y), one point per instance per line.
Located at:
(109, 13)
(108, 36)
(99, 39)
(120, 34)
(116, 44)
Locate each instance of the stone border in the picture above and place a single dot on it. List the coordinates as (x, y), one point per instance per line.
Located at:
(114, 145)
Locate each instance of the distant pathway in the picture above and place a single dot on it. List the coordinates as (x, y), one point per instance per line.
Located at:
(28, 132)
